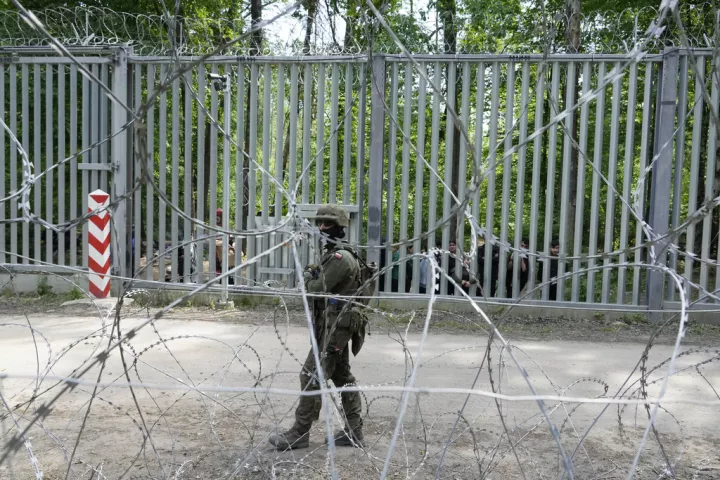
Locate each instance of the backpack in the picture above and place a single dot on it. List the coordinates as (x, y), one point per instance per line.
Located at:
(366, 282)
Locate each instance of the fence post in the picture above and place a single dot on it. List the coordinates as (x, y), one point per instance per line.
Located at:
(122, 160)
(377, 157)
(661, 178)
(99, 245)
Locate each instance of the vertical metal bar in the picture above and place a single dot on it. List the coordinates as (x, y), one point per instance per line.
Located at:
(490, 195)
(213, 190)
(267, 122)
(535, 190)
(627, 178)
(320, 139)
(306, 149)
(377, 157)
(188, 170)
(334, 133)
(520, 188)
(580, 196)
(240, 165)
(3, 205)
(279, 142)
(565, 185)
(307, 125)
(73, 163)
(292, 173)
(390, 190)
(405, 188)
(477, 167)
(679, 162)
(347, 138)
(447, 192)
(49, 162)
(639, 200)
(61, 158)
(137, 203)
(150, 166)
(434, 146)
(175, 194)
(595, 195)
(201, 194)
(462, 167)
(25, 77)
(507, 178)
(694, 171)
(550, 192)
(662, 170)
(37, 150)
(94, 127)
(227, 101)
(419, 172)
(162, 181)
(360, 159)
(119, 158)
(87, 158)
(713, 144)
(103, 122)
(706, 248)
(252, 181)
(13, 163)
(612, 182)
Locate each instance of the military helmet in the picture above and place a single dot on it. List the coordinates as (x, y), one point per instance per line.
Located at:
(334, 213)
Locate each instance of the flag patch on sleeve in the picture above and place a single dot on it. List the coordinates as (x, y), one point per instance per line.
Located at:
(338, 255)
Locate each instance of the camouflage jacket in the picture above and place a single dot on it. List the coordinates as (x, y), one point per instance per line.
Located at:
(339, 274)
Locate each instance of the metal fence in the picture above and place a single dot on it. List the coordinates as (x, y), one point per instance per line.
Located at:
(373, 133)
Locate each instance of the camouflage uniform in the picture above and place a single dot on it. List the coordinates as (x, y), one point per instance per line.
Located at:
(338, 274)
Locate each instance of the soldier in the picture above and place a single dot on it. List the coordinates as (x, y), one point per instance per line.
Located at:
(335, 324)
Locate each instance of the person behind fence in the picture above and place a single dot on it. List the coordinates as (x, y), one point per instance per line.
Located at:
(523, 270)
(219, 248)
(459, 271)
(395, 271)
(553, 260)
(409, 269)
(334, 328)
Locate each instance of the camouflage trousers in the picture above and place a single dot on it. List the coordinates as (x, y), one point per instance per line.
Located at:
(336, 368)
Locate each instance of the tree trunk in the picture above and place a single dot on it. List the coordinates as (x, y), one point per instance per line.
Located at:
(572, 8)
(311, 7)
(448, 13)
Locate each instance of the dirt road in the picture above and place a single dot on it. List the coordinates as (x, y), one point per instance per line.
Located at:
(203, 432)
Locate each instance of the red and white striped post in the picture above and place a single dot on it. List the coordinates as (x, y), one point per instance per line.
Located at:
(99, 240)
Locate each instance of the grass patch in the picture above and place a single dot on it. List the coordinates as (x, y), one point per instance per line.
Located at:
(43, 286)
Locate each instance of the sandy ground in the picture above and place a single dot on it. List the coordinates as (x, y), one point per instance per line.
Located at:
(208, 433)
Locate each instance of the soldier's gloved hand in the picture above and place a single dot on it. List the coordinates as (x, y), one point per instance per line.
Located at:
(332, 350)
(313, 269)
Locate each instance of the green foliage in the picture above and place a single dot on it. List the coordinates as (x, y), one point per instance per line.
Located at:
(43, 286)
(76, 294)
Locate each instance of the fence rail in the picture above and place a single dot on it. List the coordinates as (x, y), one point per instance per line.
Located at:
(240, 135)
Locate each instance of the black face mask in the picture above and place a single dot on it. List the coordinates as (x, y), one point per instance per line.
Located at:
(333, 233)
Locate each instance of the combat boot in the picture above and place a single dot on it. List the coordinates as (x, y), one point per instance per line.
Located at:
(343, 438)
(290, 440)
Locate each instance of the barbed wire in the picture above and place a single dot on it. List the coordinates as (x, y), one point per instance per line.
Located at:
(411, 427)
(601, 32)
